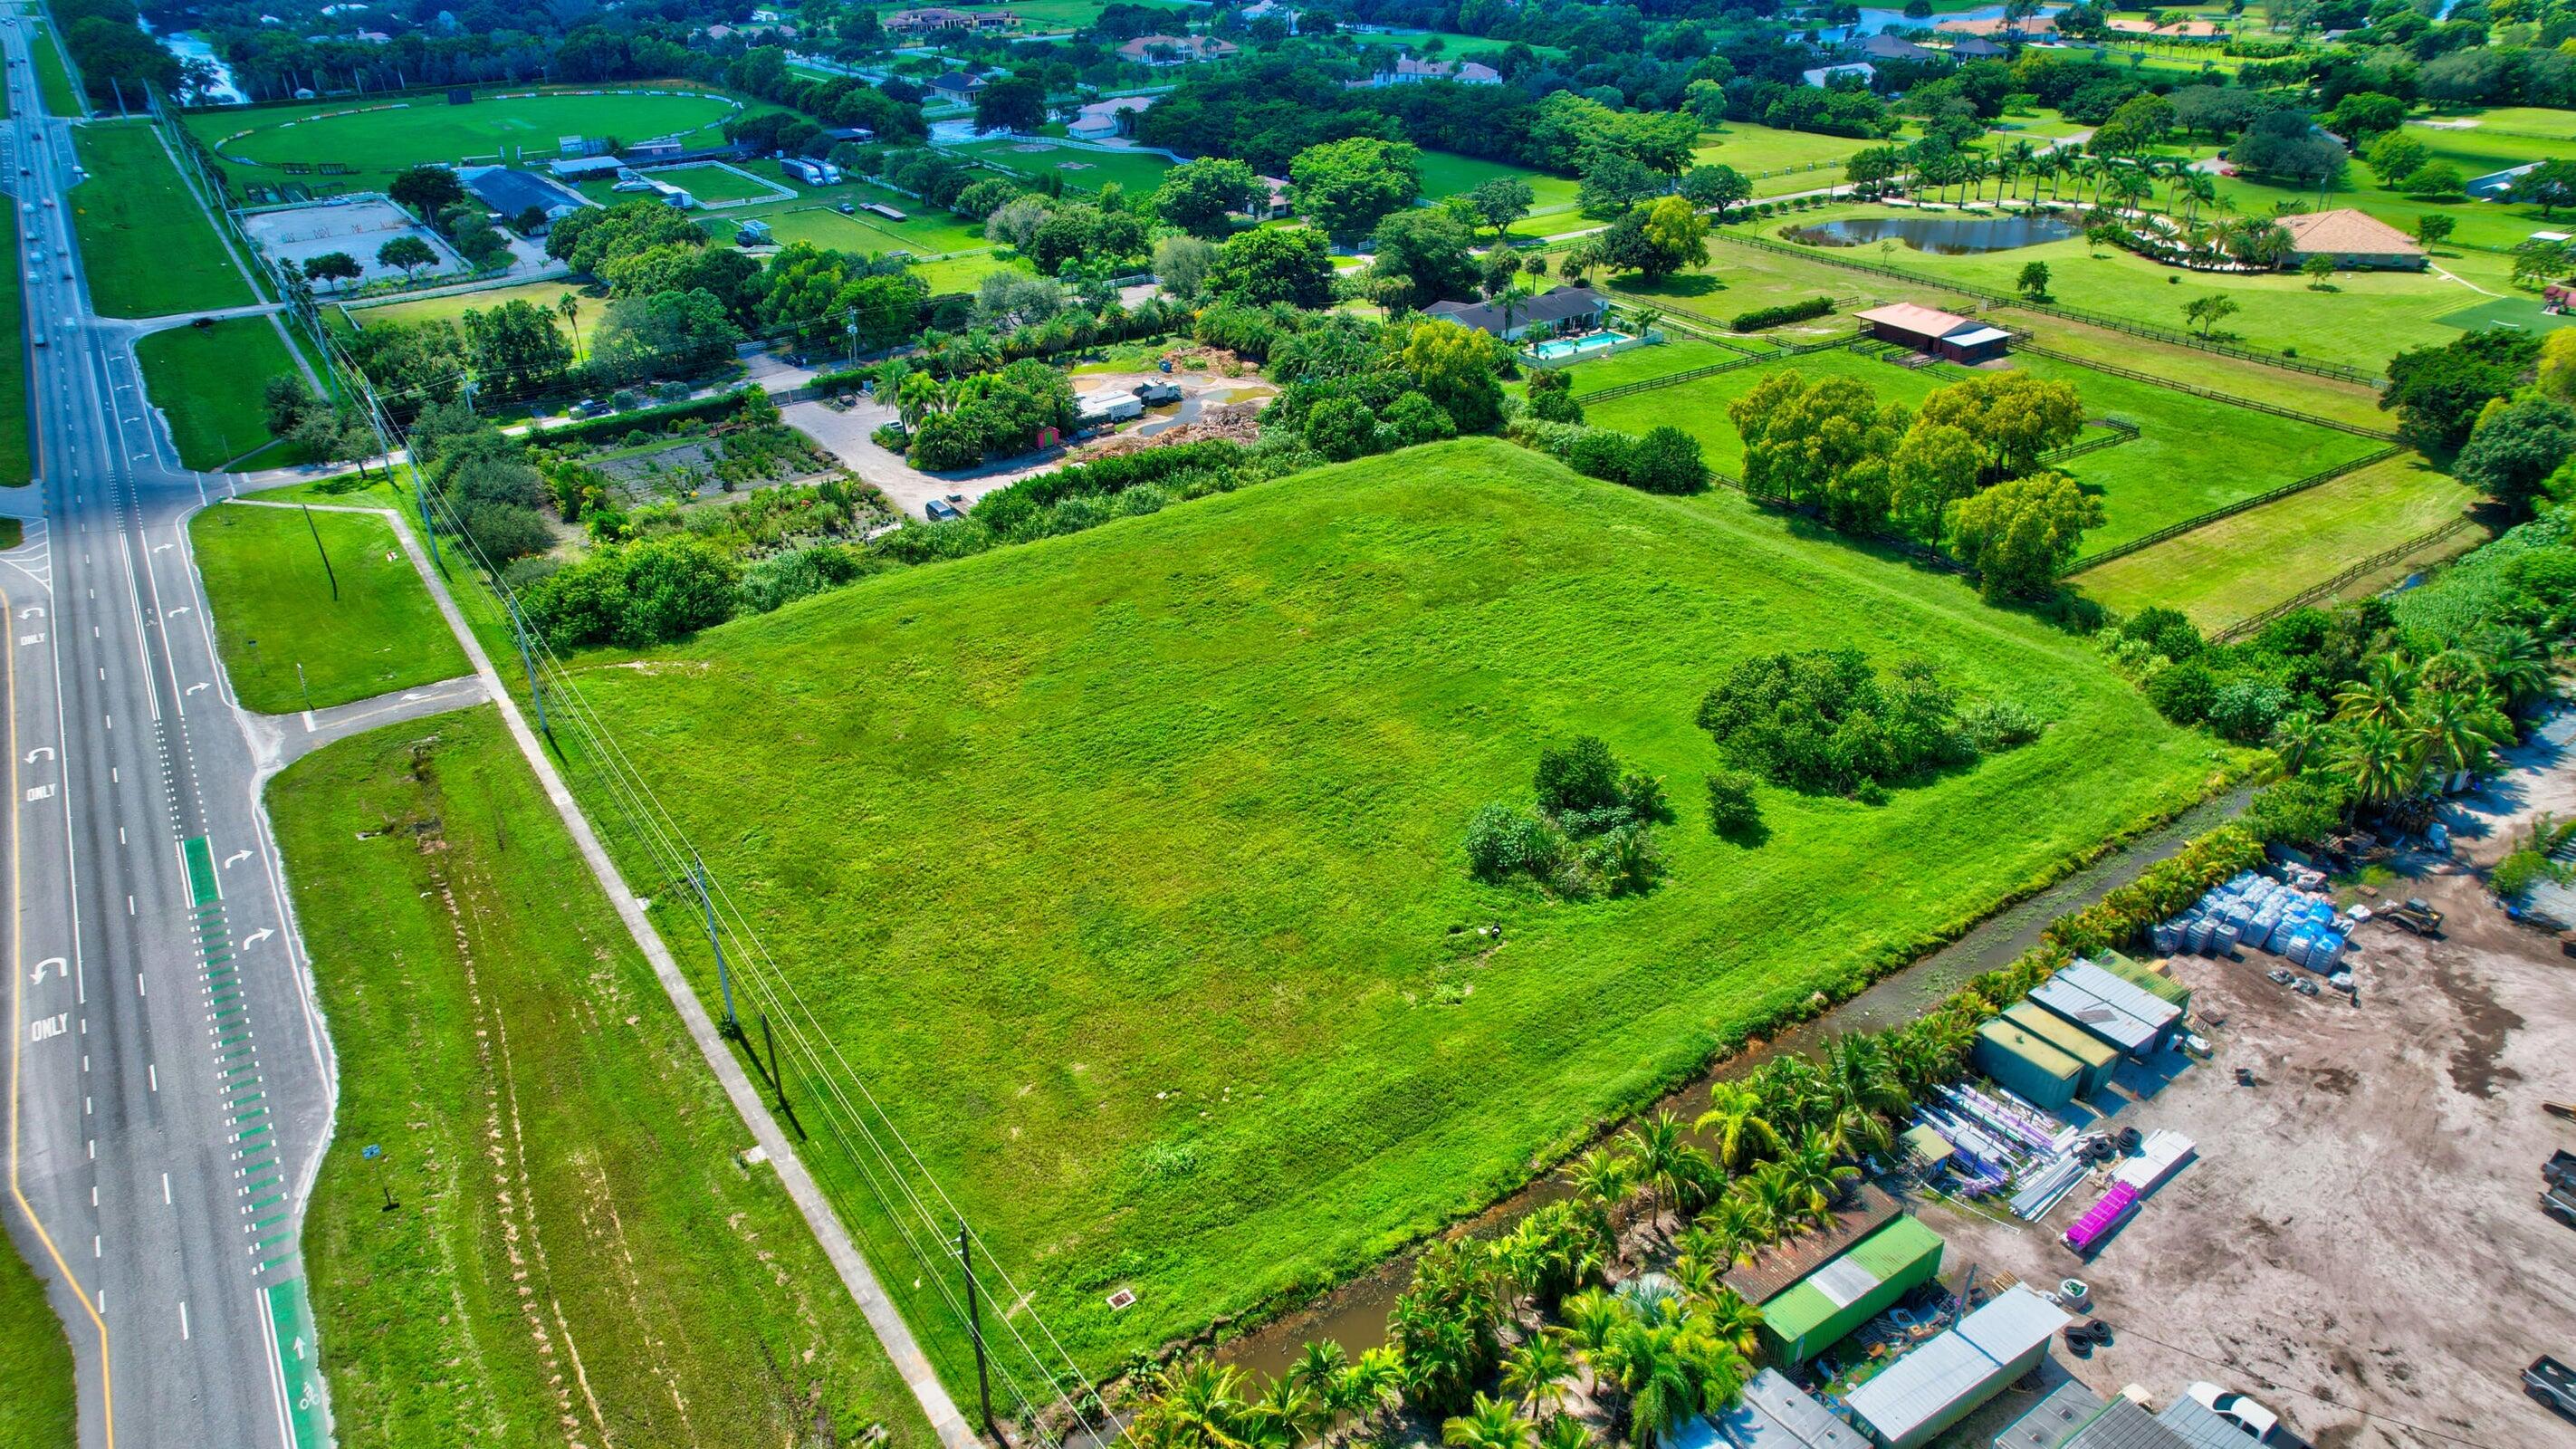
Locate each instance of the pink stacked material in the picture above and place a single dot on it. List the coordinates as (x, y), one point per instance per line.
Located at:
(2102, 1219)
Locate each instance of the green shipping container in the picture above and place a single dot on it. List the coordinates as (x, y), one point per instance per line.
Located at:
(2145, 978)
(2097, 1057)
(1849, 1290)
(2026, 1066)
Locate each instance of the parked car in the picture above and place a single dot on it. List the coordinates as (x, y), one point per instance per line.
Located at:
(1156, 394)
(2552, 1383)
(941, 510)
(2256, 1421)
(590, 407)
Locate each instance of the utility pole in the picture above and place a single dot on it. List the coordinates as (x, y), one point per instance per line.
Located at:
(724, 981)
(853, 330)
(328, 571)
(975, 1330)
(528, 661)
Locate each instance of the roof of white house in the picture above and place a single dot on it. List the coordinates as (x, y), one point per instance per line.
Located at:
(2345, 230)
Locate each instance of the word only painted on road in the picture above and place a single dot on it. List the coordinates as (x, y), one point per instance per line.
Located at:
(49, 1027)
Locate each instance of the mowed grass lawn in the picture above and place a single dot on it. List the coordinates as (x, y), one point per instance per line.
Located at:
(274, 610)
(1128, 865)
(2238, 567)
(208, 380)
(1446, 173)
(1778, 161)
(147, 245)
(53, 77)
(2192, 454)
(561, 1159)
(453, 307)
(17, 458)
(37, 1393)
(1136, 172)
(377, 139)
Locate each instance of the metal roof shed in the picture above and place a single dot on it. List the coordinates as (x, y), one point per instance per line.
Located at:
(1928, 1390)
(2096, 1056)
(2130, 997)
(2053, 1420)
(2198, 1428)
(1868, 1278)
(2095, 1015)
(1773, 1414)
(2145, 978)
(2027, 1067)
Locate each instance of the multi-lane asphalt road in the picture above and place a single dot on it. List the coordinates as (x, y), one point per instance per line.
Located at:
(169, 1080)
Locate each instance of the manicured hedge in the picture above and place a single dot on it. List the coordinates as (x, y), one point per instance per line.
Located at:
(649, 420)
(1761, 317)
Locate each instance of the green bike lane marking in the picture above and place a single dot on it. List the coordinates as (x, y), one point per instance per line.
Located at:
(299, 1360)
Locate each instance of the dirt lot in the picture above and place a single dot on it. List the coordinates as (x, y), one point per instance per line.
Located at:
(2358, 1245)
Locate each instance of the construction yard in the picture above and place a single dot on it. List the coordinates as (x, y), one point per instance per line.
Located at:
(2358, 1245)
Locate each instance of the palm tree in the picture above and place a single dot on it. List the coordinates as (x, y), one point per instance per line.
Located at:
(2026, 162)
(1489, 1424)
(2295, 739)
(570, 306)
(2198, 189)
(1648, 1365)
(1732, 1231)
(2453, 731)
(1670, 1167)
(1319, 1366)
(2373, 758)
(1564, 1431)
(1733, 1320)
(2379, 696)
(1535, 1373)
(1602, 1175)
(1294, 1410)
(2516, 663)
(1810, 1179)
(1866, 1094)
(1373, 1383)
(1735, 1112)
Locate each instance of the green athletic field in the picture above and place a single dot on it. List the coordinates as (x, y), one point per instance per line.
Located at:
(274, 608)
(2192, 454)
(1142, 915)
(208, 379)
(147, 245)
(376, 139)
(547, 1128)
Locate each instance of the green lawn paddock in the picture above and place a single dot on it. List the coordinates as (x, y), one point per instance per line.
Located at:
(2192, 454)
(208, 379)
(275, 608)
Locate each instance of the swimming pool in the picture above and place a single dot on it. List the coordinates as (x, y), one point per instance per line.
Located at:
(1567, 349)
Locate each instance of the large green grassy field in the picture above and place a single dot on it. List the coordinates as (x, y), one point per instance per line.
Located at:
(208, 380)
(274, 608)
(1778, 161)
(148, 247)
(575, 1253)
(1127, 865)
(17, 457)
(36, 1394)
(2192, 454)
(1136, 172)
(2238, 567)
(53, 77)
(376, 139)
(1446, 173)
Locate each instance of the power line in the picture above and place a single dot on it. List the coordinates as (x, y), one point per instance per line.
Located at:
(861, 1129)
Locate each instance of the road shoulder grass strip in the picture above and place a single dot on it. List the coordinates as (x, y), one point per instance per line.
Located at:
(274, 609)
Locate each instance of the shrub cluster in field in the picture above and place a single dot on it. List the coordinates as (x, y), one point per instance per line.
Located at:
(1762, 317)
(1826, 722)
(1591, 832)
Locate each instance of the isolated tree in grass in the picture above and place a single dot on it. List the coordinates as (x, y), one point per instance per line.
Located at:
(2207, 312)
(427, 190)
(1347, 187)
(1715, 188)
(2439, 179)
(333, 267)
(568, 307)
(2434, 228)
(2021, 532)
(1500, 202)
(2319, 270)
(2396, 156)
(2033, 281)
(407, 252)
(2549, 186)
(1201, 197)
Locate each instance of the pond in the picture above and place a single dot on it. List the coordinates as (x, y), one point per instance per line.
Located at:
(1945, 236)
